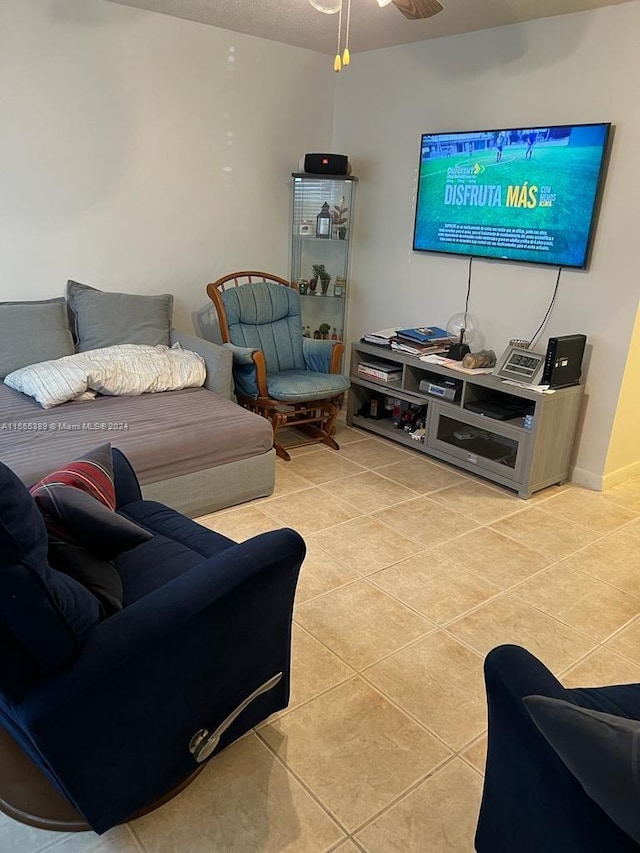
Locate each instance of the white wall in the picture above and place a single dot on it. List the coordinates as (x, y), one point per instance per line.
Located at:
(574, 68)
(144, 153)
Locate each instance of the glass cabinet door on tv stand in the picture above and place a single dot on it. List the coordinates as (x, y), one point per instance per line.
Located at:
(321, 219)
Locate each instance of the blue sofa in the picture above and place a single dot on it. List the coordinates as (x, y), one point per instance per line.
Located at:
(117, 712)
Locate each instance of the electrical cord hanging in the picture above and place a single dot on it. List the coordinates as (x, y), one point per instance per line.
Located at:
(546, 316)
(466, 302)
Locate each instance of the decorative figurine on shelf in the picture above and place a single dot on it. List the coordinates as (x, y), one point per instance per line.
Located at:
(316, 335)
(339, 219)
(483, 358)
(323, 222)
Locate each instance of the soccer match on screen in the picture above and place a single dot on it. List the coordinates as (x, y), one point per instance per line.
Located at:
(523, 194)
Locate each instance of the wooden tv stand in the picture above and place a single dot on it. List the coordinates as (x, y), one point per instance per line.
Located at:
(505, 451)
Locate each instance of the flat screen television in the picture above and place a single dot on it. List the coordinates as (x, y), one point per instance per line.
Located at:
(515, 194)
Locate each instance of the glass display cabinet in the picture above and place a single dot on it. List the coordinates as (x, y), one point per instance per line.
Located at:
(321, 220)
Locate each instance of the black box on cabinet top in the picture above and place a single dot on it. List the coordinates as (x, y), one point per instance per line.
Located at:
(327, 164)
(563, 362)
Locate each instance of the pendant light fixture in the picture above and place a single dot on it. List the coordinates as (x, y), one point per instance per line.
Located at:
(329, 7)
(337, 62)
(341, 61)
(411, 9)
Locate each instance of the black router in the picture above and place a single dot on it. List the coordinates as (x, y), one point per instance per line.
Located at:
(563, 361)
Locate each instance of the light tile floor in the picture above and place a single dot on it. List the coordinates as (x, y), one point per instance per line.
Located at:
(414, 571)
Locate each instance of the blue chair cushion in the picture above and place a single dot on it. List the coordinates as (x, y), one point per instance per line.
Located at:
(602, 752)
(267, 316)
(178, 544)
(44, 613)
(298, 386)
(97, 574)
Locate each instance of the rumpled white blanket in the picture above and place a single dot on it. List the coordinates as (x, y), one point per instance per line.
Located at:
(125, 369)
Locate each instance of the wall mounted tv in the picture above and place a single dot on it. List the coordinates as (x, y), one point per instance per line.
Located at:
(517, 194)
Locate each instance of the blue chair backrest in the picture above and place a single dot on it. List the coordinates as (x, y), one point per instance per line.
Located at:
(45, 615)
(267, 316)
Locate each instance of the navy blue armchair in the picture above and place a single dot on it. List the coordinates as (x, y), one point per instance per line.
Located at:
(120, 712)
(535, 796)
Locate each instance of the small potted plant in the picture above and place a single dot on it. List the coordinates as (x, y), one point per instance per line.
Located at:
(323, 276)
(324, 329)
(338, 214)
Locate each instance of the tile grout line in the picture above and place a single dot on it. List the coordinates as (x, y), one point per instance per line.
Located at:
(304, 785)
(418, 722)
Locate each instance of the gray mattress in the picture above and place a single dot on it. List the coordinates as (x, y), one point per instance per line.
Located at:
(163, 435)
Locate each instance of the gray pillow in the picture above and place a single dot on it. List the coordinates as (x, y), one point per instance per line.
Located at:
(104, 319)
(601, 750)
(33, 331)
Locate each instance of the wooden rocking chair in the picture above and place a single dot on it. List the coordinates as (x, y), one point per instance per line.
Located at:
(287, 378)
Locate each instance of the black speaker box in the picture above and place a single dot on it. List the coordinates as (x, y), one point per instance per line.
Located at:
(326, 164)
(563, 362)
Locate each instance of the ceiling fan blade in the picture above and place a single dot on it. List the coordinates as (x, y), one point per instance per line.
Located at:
(417, 9)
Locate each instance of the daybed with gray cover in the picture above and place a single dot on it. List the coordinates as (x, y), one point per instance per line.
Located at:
(193, 449)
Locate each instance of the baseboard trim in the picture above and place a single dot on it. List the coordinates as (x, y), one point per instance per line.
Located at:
(586, 479)
(620, 475)
(599, 482)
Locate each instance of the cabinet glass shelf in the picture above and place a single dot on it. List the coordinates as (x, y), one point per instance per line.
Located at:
(321, 295)
(311, 255)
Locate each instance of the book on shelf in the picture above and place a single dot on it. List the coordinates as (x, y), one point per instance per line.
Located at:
(379, 370)
(375, 377)
(381, 338)
(413, 348)
(424, 334)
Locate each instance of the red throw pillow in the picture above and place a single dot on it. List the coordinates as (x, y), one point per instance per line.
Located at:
(92, 473)
(85, 533)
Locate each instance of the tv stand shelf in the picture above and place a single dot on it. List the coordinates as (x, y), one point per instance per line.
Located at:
(523, 453)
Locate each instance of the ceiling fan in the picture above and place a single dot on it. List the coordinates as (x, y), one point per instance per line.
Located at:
(415, 10)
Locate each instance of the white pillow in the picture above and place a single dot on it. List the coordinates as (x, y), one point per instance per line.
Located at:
(49, 383)
(125, 369)
(146, 370)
